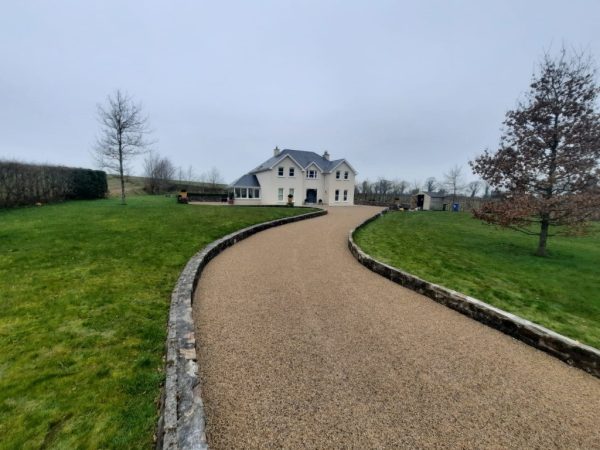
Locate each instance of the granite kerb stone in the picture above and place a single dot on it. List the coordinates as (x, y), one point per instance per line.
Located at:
(566, 349)
(181, 422)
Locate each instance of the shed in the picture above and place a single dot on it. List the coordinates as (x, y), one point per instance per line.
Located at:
(431, 201)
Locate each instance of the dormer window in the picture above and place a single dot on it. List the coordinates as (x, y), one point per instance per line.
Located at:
(311, 174)
(280, 171)
(346, 175)
(291, 172)
(337, 175)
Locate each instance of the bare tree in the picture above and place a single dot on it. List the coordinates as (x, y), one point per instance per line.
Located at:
(180, 174)
(473, 188)
(399, 187)
(547, 164)
(365, 187)
(430, 184)
(383, 187)
(189, 174)
(122, 134)
(158, 172)
(415, 187)
(486, 189)
(454, 181)
(212, 177)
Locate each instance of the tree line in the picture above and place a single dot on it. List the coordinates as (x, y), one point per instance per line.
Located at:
(161, 175)
(452, 184)
(27, 184)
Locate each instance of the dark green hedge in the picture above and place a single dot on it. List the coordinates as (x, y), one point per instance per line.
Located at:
(88, 184)
(27, 184)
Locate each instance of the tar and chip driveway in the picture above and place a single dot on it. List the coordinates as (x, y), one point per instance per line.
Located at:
(302, 347)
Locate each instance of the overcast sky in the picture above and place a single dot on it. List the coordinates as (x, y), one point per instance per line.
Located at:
(401, 89)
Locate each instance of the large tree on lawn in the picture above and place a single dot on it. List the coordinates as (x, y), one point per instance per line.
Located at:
(122, 134)
(547, 164)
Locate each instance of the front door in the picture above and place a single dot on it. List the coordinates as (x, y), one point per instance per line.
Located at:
(311, 196)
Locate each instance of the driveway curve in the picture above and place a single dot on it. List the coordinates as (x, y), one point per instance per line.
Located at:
(300, 346)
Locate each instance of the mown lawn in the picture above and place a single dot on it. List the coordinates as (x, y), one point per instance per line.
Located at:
(84, 298)
(498, 266)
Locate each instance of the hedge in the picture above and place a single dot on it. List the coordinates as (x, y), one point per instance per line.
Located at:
(27, 184)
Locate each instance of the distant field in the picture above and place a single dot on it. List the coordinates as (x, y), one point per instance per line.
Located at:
(135, 185)
(561, 292)
(85, 289)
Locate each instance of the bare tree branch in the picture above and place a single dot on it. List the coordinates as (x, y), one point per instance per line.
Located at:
(123, 131)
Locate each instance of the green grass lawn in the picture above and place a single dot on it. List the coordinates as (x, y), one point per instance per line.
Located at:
(84, 297)
(498, 266)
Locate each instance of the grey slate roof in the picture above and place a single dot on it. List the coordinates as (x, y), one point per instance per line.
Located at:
(302, 157)
(248, 180)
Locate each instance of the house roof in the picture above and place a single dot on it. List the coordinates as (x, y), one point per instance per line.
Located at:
(302, 158)
(248, 180)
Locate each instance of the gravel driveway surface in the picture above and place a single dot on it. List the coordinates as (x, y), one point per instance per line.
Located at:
(302, 347)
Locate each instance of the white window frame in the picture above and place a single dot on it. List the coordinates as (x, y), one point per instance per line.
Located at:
(337, 195)
(280, 194)
(291, 172)
(338, 175)
(281, 171)
(345, 195)
(346, 175)
(291, 191)
(311, 171)
(250, 193)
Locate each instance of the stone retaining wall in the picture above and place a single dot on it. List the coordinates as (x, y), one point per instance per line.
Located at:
(563, 348)
(181, 422)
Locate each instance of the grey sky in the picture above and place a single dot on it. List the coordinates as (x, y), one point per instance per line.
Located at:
(401, 89)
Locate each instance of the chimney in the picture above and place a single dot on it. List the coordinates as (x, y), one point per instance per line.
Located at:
(326, 155)
(276, 151)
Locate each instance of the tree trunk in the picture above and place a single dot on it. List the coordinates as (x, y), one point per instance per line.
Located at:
(122, 178)
(541, 250)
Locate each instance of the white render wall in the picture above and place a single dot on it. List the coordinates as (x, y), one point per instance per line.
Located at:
(341, 184)
(270, 183)
(325, 184)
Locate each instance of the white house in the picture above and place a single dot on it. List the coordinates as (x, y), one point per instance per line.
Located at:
(310, 178)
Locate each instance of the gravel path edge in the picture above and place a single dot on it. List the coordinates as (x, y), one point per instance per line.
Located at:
(181, 423)
(568, 350)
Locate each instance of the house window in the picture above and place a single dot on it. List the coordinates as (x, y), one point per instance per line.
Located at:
(280, 194)
(291, 172)
(337, 175)
(292, 192)
(346, 194)
(246, 192)
(280, 171)
(346, 175)
(337, 195)
(311, 174)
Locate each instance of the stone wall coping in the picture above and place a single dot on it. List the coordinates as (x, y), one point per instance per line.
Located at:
(181, 422)
(566, 349)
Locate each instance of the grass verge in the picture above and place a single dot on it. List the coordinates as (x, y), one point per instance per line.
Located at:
(84, 291)
(497, 266)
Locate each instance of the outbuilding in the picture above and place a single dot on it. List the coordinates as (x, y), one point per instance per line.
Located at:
(431, 201)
